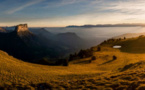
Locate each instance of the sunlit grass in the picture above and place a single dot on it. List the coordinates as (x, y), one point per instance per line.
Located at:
(103, 73)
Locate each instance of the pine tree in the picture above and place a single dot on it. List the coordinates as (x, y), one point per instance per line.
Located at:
(65, 62)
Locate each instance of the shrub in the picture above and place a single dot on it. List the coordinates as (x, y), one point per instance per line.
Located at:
(114, 57)
(90, 61)
(93, 58)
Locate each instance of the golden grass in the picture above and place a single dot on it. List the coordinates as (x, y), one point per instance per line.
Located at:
(17, 71)
(104, 73)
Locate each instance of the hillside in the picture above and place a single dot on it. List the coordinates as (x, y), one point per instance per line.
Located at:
(129, 35)
(18, 73)
(2, 30)
(132, 45)
(22, 44)
(39, 45)
(71, 40)
(126, 71)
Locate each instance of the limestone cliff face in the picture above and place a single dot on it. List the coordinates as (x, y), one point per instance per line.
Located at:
(21, 27)
(22, 30)
(27, 36)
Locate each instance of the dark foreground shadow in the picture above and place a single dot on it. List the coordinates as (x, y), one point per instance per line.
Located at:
(41, 86)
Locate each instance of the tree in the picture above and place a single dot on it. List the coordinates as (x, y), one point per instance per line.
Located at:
(81, 53)
(99, 49)
(119, 39)
(65, 62)
(71, 57)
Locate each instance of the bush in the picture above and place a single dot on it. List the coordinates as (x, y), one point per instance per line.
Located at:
(114, 57)
(90, 61)
(93, 58)
(119, 39)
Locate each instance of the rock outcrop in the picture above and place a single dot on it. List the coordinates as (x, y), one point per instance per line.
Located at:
(21, 27)
(2, 30)
(22, 30)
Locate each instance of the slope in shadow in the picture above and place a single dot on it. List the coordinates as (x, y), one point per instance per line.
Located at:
(132, 65)
(134, 45)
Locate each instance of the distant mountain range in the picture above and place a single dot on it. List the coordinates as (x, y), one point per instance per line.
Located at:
(105, 69)
(108, 25)
(36, 45)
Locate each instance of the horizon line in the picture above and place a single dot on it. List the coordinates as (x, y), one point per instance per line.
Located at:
(142, 24)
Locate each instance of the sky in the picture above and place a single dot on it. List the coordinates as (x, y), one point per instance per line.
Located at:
(60, 13)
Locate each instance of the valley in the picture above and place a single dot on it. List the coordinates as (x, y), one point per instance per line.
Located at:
(39, 45)
(105, 72)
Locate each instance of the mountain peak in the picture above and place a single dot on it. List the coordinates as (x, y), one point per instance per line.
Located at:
(22, 30)
(21, 27)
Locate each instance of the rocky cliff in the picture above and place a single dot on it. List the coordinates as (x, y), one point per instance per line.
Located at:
(22, 30)
(21, 27)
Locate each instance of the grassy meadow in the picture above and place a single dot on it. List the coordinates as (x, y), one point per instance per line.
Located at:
(126, 71)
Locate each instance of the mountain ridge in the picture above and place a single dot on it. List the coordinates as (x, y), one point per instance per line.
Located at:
(36, 46)
(107, 25)
(129, 35)
(2, 30)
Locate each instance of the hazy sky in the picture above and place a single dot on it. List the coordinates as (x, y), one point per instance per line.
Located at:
(52, 13)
